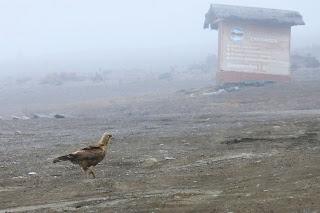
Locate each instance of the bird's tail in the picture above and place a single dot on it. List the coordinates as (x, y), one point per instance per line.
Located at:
(62, 158)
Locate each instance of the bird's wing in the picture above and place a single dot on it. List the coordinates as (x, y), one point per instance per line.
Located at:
(88, 153)
(91, 147)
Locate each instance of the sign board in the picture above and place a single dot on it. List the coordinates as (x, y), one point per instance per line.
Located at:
(253, 48)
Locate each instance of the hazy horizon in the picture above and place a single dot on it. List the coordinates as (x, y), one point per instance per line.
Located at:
(59, 36)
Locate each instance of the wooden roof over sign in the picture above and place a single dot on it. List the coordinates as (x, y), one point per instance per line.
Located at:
(220, 12)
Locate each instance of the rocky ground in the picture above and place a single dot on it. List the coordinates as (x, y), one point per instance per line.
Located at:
(254, 149)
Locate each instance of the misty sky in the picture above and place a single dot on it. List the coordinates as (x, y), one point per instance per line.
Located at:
(83, 35)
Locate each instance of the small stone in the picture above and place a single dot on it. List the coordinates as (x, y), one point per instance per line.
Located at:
(18, 177)
(18, 132)
(276, 127)
(177, 197)
(35, 116)
(32, 173)
(59, 116)
(169, 158)
(149, 162)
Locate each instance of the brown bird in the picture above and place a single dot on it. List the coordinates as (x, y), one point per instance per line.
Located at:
(88, 157)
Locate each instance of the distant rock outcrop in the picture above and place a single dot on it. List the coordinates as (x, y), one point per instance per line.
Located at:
(59, 116)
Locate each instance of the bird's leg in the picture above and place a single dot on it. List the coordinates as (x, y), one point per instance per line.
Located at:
(92, 172)
(84, 171)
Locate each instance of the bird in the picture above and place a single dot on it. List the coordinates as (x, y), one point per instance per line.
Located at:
(88, 157)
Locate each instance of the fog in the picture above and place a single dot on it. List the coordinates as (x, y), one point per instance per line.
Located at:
(42, 36)
(67, 52)
(133, 94)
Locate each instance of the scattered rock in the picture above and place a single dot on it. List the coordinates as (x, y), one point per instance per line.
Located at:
(59, 116)
(23, 117)
(169, 158)
(219, 91)
(19, 177)
(237, 86)
(35, 116)
(276, 127)
(232, 89)
(177, 197)
(163, 151)
(242, 140)
(18, 132)
(32, 173)
(149, 162)
(38, 115)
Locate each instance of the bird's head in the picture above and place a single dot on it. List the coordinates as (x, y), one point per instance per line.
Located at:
(105, 139)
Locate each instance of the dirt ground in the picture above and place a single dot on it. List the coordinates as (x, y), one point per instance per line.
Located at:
(252, 150)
